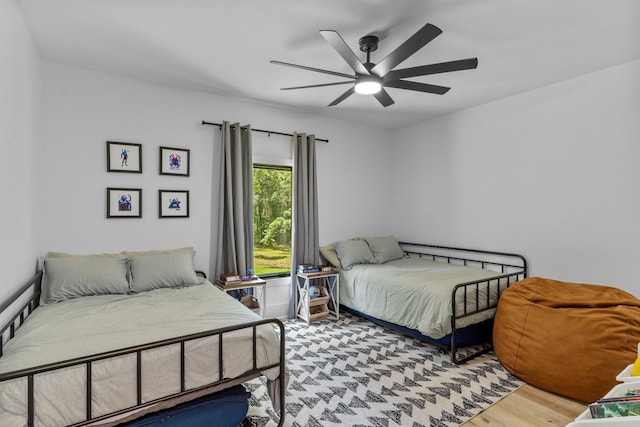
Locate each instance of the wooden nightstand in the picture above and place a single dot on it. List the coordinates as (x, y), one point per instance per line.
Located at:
(256, 284)
(310, 309)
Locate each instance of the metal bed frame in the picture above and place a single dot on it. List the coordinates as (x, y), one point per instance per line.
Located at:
(512, 266)
(34, 283)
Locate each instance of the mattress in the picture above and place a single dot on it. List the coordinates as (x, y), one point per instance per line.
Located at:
(90, 325)
(416, 293)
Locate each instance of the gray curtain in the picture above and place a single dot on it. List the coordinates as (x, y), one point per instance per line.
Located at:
(304, 222)
(234, 248)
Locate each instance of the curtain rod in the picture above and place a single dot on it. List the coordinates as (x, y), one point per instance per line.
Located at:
(262, 130)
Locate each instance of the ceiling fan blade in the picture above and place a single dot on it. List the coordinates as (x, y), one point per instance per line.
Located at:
(317, 70)
(320, 85)
(442, 67)
(414, 43)
(384, 98)
(344, 51)
(420, 87)
(342, 97)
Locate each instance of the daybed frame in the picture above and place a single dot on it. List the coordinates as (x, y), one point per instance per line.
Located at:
(513, 267)
(33, 287)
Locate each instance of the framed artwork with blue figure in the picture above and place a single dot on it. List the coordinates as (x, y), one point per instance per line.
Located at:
(174, 161)
(124, 202)
(173, 204)
(124, 157)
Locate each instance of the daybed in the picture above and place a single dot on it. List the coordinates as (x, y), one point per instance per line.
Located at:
(115, 337)
(442, 295)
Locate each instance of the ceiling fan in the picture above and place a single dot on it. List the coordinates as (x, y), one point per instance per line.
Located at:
(370, 78)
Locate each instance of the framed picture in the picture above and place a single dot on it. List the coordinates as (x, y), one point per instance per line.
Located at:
(173, 204)
(174, 161)
(124, 202)
(124, 157)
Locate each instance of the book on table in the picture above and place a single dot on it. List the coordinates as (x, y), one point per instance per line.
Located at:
(308, 268)
(230, 278)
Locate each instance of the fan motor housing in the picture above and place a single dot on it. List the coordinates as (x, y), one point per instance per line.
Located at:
(368, 43)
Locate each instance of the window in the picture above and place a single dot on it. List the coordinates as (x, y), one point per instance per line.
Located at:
(272, 220)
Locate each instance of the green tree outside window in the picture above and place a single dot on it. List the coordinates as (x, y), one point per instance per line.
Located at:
(271, 219)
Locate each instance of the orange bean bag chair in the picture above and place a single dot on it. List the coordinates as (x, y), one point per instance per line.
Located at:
(566, 338)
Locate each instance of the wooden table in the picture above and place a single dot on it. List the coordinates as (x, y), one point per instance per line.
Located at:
(330, 280)
(256, 284)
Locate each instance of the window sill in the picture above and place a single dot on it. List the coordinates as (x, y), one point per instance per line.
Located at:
(275, 275)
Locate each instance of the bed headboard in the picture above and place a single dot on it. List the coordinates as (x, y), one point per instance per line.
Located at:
(29, 296)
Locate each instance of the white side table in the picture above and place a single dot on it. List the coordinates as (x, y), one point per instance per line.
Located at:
(330, 280)
(256, 284)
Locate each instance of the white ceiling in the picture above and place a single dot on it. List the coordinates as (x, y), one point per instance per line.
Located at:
(224, 46)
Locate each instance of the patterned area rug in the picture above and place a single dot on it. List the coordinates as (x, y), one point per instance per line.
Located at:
(352, 372)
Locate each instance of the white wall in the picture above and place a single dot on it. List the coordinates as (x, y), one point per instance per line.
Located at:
(20, 94)
(552, 174)
(84, 109)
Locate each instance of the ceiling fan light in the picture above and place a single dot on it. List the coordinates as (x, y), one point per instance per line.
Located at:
(367, 87)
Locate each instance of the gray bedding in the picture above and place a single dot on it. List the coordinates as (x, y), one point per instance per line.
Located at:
(94, 324)
(413, 292)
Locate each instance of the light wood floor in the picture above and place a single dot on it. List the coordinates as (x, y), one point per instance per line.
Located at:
(528, 407)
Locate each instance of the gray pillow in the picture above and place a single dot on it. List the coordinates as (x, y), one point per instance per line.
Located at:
(384, 249)
(163, 269)
(68, 255)
(66, 278)
(330, 255)
(353, 252)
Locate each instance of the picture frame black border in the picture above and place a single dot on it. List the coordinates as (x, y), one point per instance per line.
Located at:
(187, 154)
(130, 190)
(130, 144)
(160, 207)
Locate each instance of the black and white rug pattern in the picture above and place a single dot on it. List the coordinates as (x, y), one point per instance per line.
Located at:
(352, 372)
